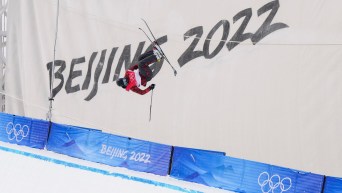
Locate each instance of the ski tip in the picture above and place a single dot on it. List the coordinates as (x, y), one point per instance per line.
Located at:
(175, 72)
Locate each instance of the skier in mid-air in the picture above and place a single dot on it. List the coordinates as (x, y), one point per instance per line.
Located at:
(141, 73)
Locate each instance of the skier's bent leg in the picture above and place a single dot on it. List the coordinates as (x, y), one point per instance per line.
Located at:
(146, 54)
(146, 72)
(147, 60)
(144, 69)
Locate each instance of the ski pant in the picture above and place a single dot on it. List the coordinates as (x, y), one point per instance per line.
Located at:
(144, 60)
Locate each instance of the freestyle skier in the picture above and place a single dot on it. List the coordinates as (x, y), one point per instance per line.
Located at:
(141, 73)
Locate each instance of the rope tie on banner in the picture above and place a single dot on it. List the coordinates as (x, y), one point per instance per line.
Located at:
(51, 99)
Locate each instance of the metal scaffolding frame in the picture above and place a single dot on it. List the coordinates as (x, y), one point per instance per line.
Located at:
(3, 58)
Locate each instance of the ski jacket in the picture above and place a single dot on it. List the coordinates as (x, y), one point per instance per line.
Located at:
(134, 82)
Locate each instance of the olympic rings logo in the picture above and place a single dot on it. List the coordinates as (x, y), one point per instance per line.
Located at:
(274, 183)
(17, 131)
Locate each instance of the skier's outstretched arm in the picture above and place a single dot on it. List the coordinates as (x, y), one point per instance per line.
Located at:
(142, 92)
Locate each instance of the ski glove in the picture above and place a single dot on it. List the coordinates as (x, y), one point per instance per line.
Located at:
(152, 86)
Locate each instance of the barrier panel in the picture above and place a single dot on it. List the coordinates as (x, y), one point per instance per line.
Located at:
(187, 157)
(23, 131)
(239, 175)
(333, 185)
(211, 168)
(96, 146)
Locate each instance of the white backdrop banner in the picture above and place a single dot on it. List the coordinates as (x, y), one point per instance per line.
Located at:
(260, 80)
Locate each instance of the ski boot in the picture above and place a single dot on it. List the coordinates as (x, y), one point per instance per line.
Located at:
(157, 51)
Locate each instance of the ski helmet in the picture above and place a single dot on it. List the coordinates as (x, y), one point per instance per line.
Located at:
(122, 82)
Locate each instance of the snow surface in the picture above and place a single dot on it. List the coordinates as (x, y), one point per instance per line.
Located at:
(24, 169)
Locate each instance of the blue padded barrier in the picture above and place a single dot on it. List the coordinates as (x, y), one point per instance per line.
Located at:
(239, 175)
(23, 131)
(333, 185)
(96, 146)
(183, 159)
(210, 168)
(200, 151)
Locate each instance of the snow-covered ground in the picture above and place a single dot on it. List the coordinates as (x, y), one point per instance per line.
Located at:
(29, 170)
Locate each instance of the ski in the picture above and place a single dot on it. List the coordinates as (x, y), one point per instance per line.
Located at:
(155, 40)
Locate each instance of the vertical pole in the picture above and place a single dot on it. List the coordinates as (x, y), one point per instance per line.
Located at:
(3, 58)
(52, 78)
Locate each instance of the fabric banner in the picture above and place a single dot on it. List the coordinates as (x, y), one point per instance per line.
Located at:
(254, 77)
(94, 145)
(241, 175)
(332, 185)
(23, 130)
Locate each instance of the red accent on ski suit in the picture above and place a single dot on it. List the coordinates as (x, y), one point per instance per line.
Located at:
(132, 82)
